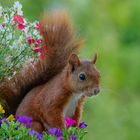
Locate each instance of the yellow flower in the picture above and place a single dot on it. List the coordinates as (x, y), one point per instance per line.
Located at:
(1, 109)
(10, 118)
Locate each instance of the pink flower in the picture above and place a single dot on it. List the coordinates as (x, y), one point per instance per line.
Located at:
(3, 24)
(37, 26)
(37, 49)
(30, 40)
(21, 27)
(20, 22)
(69, 122)
(18, 19)
(38, 42)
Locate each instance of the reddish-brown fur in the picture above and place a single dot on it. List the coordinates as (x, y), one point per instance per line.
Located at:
(60, 41)
(53, 87)
(46, 104)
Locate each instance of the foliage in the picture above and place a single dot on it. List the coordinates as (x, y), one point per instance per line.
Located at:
(20, 40)
(19, 128)
(111, 28)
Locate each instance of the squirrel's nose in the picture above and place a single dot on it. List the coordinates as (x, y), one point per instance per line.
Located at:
(96, 91)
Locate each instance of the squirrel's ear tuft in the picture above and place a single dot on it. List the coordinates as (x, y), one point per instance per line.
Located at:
(74, 61)
(94, 58)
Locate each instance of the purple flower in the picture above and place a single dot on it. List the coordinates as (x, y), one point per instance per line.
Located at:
(17, 127)
(4, 120)
(26, 121)
(32, 132)
(55, 132)
(0, 121)
(69, 122)
(73, 137)
(60, 138)
(39, 136)
(82, 125)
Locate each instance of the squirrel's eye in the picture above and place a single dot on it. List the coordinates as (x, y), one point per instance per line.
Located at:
(82, 76)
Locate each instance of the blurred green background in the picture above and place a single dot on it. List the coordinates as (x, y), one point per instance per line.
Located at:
(112, 29)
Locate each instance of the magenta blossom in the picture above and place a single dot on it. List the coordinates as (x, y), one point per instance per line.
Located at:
(19, 22)
(37, 26)
(20, 27)
(18, 19)
(69, 122)
(37, 49)
(38, 42)
(30, 40)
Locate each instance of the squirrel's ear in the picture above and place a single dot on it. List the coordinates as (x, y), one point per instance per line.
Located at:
(74, 61)
(94, 58)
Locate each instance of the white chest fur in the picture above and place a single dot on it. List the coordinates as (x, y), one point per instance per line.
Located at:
(70, 108)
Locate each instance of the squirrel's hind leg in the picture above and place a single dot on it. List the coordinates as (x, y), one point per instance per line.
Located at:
(37, 126)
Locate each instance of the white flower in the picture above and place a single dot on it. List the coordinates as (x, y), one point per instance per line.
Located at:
(8, 59)
(6, 19)
(18, 7)
(14, 73)
(26, 30)
(9, 37)
(19, 12)
(0, 11)
(15, 45)
(35, 32)
(9, 78)
(1, 27)
(25, 21)
(12, 13)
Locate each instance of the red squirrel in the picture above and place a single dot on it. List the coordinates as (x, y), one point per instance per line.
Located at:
(63, 95)
(60, 40)
(54, 88)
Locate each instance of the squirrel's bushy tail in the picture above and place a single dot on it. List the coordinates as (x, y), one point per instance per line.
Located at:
(60, 41)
